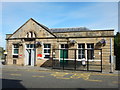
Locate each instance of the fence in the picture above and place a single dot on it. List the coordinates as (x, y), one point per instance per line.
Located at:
(77, 59)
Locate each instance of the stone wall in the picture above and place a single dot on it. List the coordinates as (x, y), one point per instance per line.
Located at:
(47, 38)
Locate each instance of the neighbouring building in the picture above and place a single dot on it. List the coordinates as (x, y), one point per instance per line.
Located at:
(1, 53)
(32, 44)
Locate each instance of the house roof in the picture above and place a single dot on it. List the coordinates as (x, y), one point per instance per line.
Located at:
(43, 26)
(55, 30)
(47, 29)
(59, 30)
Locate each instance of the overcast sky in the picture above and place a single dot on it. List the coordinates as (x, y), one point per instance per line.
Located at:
(93, 15)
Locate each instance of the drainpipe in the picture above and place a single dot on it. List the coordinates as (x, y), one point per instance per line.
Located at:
(111, 57)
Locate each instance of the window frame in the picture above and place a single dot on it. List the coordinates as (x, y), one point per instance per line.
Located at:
(13, 48)
(46, 48)
(91, 58)
(81, 54)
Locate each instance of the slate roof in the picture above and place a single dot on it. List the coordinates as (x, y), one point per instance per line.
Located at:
(55, 30)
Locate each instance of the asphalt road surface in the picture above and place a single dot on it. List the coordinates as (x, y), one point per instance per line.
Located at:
(12, 78)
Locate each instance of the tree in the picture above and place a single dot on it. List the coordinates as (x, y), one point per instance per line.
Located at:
(117, 50)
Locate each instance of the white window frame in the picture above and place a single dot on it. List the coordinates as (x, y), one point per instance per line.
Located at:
(14, 48)
(90, 48)
(78, 51)
(46, 49)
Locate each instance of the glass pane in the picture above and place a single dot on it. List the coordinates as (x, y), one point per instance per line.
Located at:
(45, 51)
(79, 56)
(66, 46)
(88, 45)
(83, 56)
(47, 56)
(31, 45)
(92, 45)
(27, 45)
(48, 45)
(45, 45)
(81, 45)
(15, 51)
(83, 51)
(16, 46)
(48, 50)
(62, 46)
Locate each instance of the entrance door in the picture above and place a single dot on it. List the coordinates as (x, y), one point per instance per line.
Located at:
(65, 54)
(30, 54)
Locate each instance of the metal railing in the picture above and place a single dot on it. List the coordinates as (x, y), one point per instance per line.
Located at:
(69, 59)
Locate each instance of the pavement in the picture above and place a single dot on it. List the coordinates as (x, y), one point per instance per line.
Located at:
(29, 77)
(14, 76)
(36, 68)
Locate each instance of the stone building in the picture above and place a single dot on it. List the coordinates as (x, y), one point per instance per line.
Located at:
(1, 53)
(32, 43)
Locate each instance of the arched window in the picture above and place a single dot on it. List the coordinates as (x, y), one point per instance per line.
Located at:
(31, 34)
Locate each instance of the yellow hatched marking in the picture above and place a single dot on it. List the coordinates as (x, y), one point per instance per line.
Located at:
(38, 76)
(77, 76)
(62, 78)
(15, 74)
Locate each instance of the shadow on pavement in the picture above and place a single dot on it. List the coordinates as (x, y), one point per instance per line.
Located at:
(10, 83)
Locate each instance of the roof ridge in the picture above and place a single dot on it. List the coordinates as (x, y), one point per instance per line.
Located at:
(67, 28)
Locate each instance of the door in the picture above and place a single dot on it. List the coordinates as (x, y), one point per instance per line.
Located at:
(30, 55)
(63, 53)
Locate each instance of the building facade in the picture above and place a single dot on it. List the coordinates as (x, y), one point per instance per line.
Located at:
(32, 43)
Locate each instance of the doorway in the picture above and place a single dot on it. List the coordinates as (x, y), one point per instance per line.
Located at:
(30, 55)
(63, 53)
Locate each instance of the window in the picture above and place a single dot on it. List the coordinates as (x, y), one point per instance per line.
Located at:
(90, 53)
(63, 46)
(47, 50)
(30, 45)
(30, 34)
(81, 51)
(15, 49)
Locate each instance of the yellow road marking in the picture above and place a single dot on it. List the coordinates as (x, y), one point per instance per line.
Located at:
(38, 76)
(10, 69)
(62, 78)
(11, 78)
(105, 74)
(15, 74)
(116, 82)
(94, 80)
(59, 74)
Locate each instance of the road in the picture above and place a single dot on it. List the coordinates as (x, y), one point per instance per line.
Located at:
(12, 78)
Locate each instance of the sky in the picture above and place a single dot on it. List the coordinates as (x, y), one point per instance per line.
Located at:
(93, 15)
